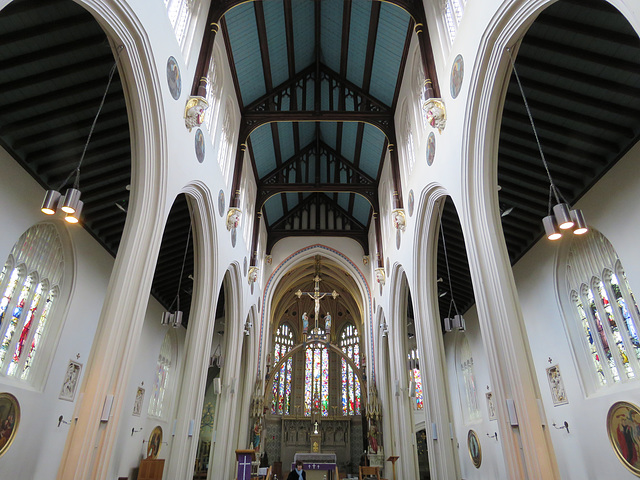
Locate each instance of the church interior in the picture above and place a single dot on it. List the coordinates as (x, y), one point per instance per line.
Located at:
(389, 239)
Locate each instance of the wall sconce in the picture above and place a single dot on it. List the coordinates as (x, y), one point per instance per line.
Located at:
(562, 217)
(70, 203)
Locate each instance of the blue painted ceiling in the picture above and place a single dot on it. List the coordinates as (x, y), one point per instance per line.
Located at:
(359, 43)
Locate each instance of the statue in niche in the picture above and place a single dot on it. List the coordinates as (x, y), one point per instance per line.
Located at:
(373, 437)
(305, 323)
(257, 429)
(327, 323)
(315, 427)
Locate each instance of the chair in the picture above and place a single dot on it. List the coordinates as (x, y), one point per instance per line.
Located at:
(369, 472)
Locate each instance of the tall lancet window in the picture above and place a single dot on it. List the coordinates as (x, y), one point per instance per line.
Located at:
(414, 373)
(281, 404)
(316, 376)
(158, 403)
(605, 330)
(29, 285)
(453, 10)
(180, 13)
(350, 345)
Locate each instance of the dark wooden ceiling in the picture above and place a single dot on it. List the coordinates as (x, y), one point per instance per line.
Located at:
(578, 63)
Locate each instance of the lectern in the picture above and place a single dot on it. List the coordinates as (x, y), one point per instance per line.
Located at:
(393, 459)
(244, 463)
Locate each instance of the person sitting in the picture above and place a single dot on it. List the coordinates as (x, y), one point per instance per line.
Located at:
(298, 473)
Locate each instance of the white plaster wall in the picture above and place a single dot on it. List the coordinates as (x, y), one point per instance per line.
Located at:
(610, 207)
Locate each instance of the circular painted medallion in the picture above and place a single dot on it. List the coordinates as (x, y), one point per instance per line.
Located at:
(221, 202)
(233, 236)
(199, 145)
(410, 203)
(431, 148)
(473, 444)
(173, 78)
(457, 74)
(623, 420)
(155, 442)
(9, 420)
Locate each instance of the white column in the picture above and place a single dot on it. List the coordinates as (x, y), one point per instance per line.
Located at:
(197, 344)
(527, 448)
(90, 441)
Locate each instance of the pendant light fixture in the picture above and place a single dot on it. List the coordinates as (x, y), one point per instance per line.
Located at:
(70, 202)
(457, 322)
(561, 218)
(175, 318)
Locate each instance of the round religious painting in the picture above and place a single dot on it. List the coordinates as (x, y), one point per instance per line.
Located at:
(398, 239)
(623, 427)
(233, 236)
(9, 420)
(155, 442)
(473, 444)
(173, 78)
(199, 145)
(410, 203)
(221, 203)
(457, 74)
(431, 148)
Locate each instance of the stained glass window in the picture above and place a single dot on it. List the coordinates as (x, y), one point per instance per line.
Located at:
(350, 345)
(158, 406)
(29, 291)
(281, 403)
(607, 313)
(414, 372)
(316, 388)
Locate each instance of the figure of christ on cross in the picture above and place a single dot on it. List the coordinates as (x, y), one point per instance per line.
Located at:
(316, 296)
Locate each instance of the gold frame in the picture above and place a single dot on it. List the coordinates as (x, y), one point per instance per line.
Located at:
(14, 407)
(622, 414)
(155, 433)
(477, 460)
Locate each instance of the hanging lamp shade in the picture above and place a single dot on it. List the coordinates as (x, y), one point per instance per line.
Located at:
(563, 216)
(75, 216)
(50, 202)
(580, 222)
(550, 229)
(71, 199)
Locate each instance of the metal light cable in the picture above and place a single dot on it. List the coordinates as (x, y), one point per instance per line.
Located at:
(552, 188)
(446, 260)
(184, 260)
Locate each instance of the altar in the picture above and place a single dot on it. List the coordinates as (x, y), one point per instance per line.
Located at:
(319, 466)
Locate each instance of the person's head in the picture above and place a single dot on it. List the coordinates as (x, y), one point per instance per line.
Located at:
(299, 465)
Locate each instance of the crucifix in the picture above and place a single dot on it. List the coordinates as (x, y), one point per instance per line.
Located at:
(316, 296)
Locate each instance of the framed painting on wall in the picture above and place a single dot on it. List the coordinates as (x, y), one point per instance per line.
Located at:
(70, 382)
(623, 427)
(558, 393)
(137, 404)
(9, 420)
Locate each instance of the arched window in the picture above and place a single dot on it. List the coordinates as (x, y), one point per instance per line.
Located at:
(181, 13)
(350, 345)
(30, 287)
(158, 403)
(452, 10)
(469, 390)
(419, 86)
(226, 140)
(316, 376)
(605, 311)
(214, 92)
(281, 404)
(410, 157)
(414, 373)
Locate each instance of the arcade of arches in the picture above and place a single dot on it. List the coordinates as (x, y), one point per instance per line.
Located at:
(319, 229)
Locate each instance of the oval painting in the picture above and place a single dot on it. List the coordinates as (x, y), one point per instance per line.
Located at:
(457, 74)
(9, 420)
(410, 203)
(431, 148)
(173, 78)
(199, 145)
(221, 202)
